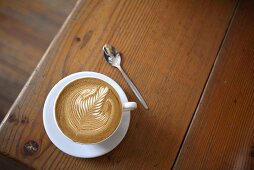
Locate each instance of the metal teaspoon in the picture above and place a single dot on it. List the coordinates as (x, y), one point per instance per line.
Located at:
(113, 57)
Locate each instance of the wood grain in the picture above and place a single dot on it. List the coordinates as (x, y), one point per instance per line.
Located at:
(26, 29)
(168, 50)
(221, 135)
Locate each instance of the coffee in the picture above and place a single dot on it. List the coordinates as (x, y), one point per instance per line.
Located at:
(88, 110)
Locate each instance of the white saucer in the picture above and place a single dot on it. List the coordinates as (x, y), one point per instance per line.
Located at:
(76, 149)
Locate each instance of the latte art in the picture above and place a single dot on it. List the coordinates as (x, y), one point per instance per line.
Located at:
(88, 110)
(87, 113)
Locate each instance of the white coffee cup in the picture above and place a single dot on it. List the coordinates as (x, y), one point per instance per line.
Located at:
(126, 106)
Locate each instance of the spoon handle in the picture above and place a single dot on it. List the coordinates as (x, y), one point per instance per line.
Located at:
(134, 88)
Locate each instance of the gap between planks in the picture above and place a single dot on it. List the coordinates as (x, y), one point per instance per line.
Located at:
(210, 75)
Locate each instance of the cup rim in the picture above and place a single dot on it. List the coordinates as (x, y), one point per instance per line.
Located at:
(96, 76)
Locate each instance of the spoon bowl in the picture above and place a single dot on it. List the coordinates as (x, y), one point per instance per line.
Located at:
(111, 55)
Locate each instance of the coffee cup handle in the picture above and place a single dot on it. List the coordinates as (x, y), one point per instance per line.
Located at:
(128, 106)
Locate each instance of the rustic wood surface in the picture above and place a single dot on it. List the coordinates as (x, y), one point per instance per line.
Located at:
(26, 29)
(169, 48)
(222, 132)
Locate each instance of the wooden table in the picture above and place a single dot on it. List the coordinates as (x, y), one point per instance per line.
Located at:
(192, 61)
(27, 28)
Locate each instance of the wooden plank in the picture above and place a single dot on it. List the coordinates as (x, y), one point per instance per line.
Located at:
(10, 164)
(221, 135)
(26, 29)
(168, 47)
